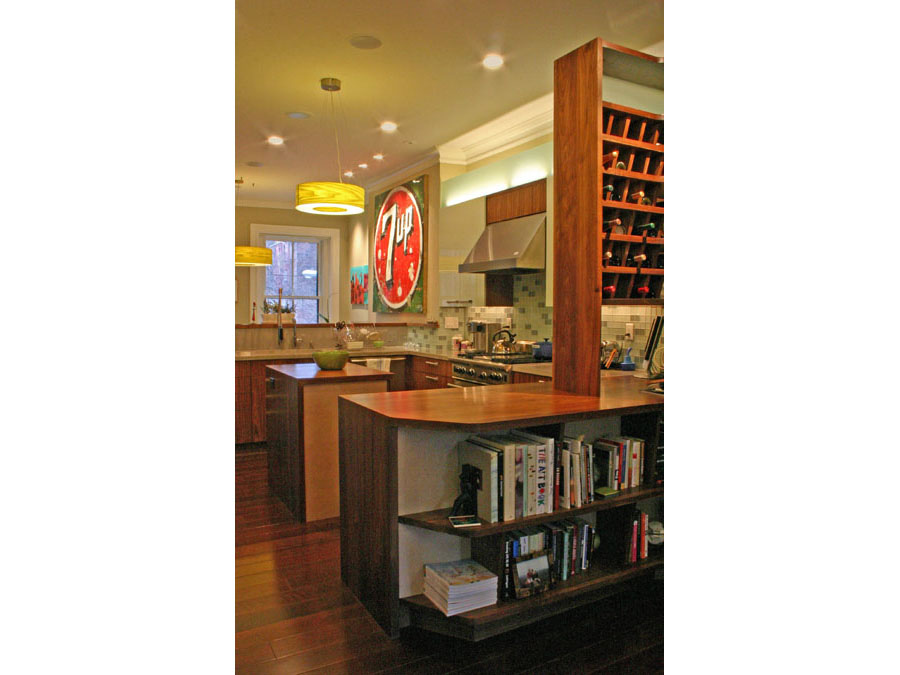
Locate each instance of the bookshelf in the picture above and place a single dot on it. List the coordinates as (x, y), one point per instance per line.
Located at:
(404, 479)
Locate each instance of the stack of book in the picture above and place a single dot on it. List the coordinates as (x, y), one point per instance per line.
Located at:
(460, 586)
(619, 462)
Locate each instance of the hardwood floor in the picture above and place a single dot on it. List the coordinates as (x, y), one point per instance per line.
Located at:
(293, 615)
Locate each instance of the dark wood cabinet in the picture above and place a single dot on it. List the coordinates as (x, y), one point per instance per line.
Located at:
(521, 378)
(429, 373)
(250, 398)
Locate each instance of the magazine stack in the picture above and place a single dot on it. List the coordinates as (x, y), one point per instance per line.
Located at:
(460, 586)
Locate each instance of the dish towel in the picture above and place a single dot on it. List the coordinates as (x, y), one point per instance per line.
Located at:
(379, 364)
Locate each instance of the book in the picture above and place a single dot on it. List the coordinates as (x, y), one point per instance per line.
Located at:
(507, 467)
(566, 476)
(634, 465)
(575, 453)
(486, 462)
(464, 521)
(605, 492)
(549, 444)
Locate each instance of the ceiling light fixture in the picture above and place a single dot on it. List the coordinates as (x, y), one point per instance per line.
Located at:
(365, 41)
(324, 197)
(388, 126)
(275, 140)
(492, 61)
(252, 256)
(298, 115)
(363, 166)
(349, 174)
(379, 157)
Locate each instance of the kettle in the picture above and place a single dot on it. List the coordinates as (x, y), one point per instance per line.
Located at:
(504, 345)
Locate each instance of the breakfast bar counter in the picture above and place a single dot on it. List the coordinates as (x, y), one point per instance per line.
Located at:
(399, 467)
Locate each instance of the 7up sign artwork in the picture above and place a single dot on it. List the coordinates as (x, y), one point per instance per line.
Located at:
(399, 248)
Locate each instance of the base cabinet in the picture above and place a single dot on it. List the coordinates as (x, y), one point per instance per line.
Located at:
(250, 398)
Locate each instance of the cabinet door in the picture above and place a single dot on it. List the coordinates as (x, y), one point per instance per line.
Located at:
(243, 432)
(519, 378)
(428, 381)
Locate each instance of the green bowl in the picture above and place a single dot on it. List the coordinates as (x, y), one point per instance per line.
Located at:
(333, 359)
(378, 343)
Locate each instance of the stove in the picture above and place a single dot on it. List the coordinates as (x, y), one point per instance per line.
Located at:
(482, 369)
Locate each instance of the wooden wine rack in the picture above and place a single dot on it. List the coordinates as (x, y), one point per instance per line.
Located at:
(632, 210)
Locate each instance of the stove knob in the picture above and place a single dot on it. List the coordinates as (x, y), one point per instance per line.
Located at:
(470, 371)
(496, 376)
(482, 376)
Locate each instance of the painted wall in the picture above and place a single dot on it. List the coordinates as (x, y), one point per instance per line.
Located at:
(244, 216)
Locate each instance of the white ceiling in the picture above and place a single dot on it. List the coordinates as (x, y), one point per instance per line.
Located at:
(427, 76)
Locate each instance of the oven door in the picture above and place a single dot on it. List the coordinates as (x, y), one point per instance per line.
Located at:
(459, 383)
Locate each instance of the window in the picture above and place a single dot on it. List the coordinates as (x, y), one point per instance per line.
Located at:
(305, 266)
(295, 269)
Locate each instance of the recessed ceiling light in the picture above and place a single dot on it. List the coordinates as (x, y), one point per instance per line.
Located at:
(254, 163)
(365, 41)
(388, 126)
(298, 115)
(275, 140)
(363, 166)
(379, 156)
(349, 174)
(492, 61)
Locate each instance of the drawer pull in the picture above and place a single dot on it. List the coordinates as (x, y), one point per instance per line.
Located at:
(431, 377)
(431, 363)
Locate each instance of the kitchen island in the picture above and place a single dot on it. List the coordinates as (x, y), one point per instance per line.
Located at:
(302, 430)
(399, 477)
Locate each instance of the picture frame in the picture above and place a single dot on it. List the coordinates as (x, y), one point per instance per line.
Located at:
(532, 574)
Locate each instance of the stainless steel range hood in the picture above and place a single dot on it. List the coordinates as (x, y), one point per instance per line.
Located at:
(515, 246)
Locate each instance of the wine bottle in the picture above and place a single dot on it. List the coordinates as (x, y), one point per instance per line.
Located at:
(641, 257)
(608, 188)
(609, 224)
(659, 261)
(610, 158)
(636, 196)
(643, 291)
(620, 165)
(608, 291)
(645, 226)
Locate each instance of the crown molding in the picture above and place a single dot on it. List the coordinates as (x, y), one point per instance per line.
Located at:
(427, 161)
(264, 205)
(516, 127)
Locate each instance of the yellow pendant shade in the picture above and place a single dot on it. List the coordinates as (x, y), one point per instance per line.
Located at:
(333, 199)
(252, 256)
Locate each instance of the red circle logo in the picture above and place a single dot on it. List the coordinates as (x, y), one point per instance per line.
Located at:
(398, 247)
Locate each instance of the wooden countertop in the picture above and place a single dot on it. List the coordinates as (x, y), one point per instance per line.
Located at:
(507, 406)
(310, 373)
(370, 352)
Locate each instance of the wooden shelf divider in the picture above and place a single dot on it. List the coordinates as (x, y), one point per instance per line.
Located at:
(588, 586)
(437, 520)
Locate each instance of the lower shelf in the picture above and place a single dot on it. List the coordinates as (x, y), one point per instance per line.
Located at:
(590, 586)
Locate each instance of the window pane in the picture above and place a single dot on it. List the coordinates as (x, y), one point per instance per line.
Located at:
(307, 311)
(306, 268)
(278, 274)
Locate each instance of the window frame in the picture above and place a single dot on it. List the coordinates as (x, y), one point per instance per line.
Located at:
(329, 255)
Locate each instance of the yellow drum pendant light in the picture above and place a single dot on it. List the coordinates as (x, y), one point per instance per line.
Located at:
(252, 256)
(330, 198)
(324, 197)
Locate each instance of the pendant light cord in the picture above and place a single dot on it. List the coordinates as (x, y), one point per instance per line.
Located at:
(337, 143)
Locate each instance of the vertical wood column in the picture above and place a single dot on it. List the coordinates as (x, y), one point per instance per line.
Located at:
(577, 246)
